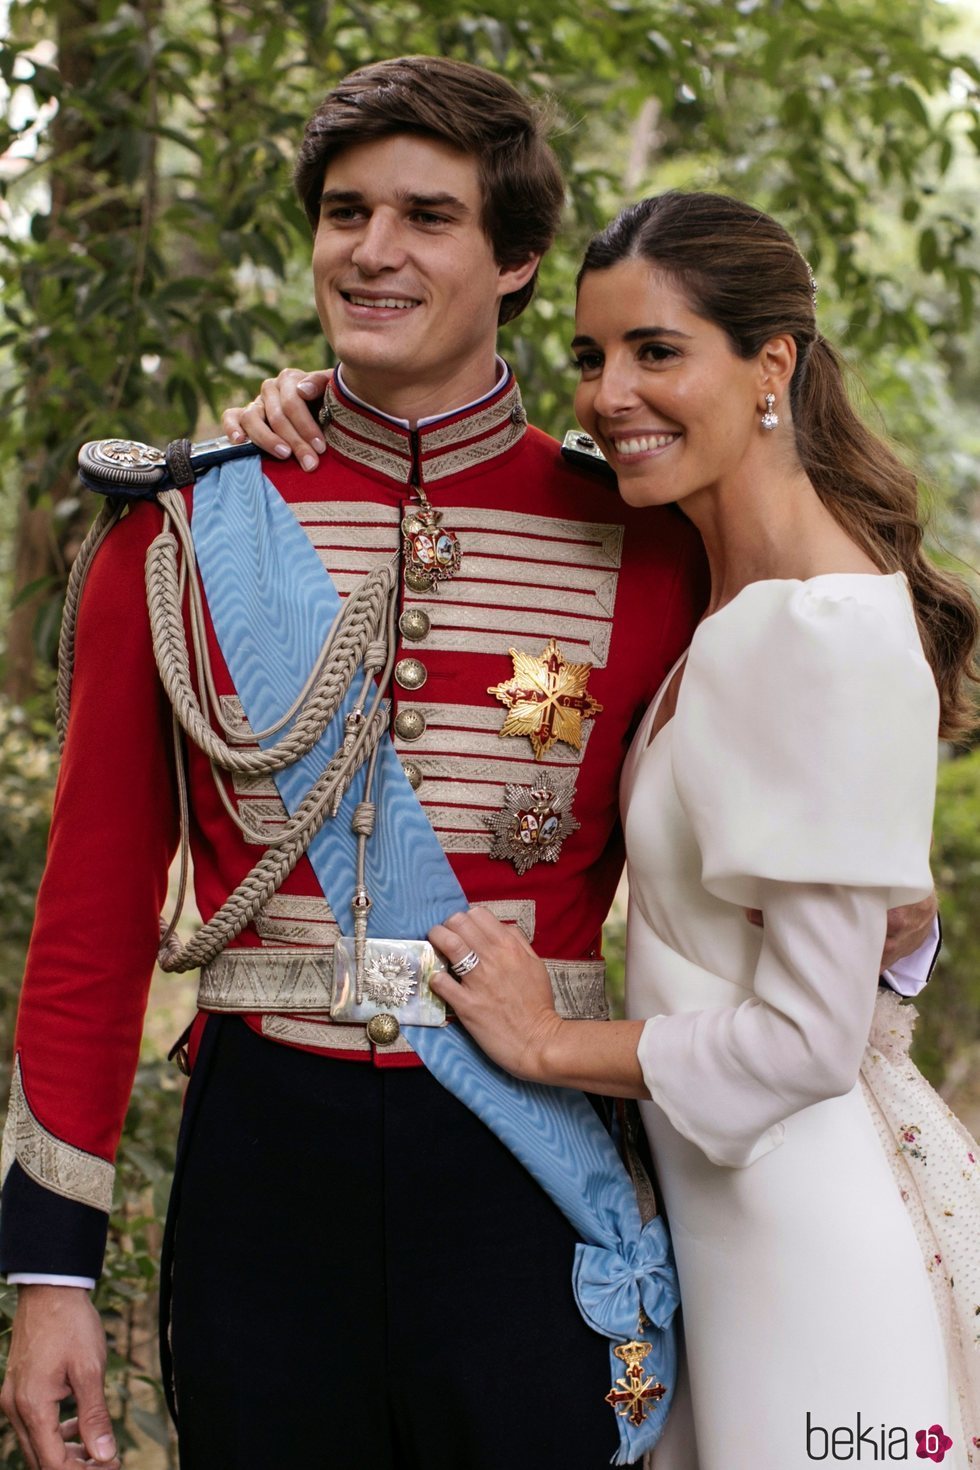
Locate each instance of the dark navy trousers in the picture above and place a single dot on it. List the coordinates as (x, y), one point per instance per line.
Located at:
(359, 1276)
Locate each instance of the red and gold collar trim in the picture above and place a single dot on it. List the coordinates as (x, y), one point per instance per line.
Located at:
(459, 441)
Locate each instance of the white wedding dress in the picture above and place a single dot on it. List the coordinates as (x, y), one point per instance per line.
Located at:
(797, 777)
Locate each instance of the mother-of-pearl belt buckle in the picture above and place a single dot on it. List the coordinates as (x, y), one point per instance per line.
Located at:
(394, 982)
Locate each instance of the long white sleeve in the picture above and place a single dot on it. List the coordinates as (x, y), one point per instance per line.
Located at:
(728, 1076)
(797, 777)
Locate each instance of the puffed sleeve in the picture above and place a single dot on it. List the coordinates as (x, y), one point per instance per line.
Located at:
(805, 740)
(804, 752)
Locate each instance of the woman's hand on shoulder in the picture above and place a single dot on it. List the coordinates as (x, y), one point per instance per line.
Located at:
(505, 1000)
(279, 421)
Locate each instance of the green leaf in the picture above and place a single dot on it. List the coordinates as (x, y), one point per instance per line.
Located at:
(31, 590)
(928, 250)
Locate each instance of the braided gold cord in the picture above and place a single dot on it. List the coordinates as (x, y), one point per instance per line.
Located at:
(98, 531)
(362, 636)
(364, 609)
(242, 906)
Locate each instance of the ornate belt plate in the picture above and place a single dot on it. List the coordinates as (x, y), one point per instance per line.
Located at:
(394, 982)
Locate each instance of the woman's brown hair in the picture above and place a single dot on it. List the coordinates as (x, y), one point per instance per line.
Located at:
(741, 270)
(468, 108)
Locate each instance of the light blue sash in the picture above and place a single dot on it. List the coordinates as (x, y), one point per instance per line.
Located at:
(272, 604)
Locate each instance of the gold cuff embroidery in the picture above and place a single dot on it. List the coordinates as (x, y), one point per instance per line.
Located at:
(48, 1160)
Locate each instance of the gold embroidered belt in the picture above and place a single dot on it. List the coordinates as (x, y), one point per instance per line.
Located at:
(297, 992)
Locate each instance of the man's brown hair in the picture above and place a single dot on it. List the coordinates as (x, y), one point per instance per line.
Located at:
(470, 109)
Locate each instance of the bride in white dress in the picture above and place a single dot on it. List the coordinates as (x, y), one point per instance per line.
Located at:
(824, 1207)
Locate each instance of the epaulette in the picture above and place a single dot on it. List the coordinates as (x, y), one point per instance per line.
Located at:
(126, 469)
(581, 449)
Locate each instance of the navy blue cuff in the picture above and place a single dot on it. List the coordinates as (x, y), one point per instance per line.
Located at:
(43, 1232)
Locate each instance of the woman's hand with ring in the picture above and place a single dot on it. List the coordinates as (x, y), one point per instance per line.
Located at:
(504, 999)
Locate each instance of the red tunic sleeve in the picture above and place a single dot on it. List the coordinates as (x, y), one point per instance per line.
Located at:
(96, 931)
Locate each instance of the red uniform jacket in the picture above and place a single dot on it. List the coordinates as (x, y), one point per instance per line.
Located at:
(549, 552)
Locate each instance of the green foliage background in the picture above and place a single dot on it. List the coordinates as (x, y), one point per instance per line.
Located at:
(154, 266)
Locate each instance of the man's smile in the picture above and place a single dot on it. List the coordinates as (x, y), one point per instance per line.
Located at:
(365, 301)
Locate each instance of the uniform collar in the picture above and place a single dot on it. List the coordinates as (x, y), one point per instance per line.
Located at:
(503, 374)
(440, 446)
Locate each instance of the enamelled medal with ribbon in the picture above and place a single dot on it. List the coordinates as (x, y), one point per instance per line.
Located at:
(432, 553)
(635, 1394)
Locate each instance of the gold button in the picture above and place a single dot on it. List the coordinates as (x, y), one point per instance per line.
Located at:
(410, 723)
(419, 581)
(414, 624)
(414, 774)
(410, 673)
(383, 1029)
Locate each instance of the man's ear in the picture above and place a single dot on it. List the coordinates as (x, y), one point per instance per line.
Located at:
(512, 278)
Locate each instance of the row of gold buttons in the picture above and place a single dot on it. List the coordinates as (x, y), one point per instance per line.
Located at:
(411, 673)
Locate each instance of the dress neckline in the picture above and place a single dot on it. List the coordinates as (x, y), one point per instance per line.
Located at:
(649, 719)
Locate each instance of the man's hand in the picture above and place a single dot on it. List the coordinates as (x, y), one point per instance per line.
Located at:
(57, 1350)
(908, 928)
(279, 420)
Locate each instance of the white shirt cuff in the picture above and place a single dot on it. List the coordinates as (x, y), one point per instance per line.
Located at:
(41, 1278)
(908, 975)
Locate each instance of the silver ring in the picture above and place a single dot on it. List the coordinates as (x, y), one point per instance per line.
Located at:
(465, 965)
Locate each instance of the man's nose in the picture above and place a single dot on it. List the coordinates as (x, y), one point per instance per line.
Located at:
(379, 244)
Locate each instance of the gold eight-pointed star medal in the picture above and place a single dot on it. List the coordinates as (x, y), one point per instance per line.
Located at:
(547, 699)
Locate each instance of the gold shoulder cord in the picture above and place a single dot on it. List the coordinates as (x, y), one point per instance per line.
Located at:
(361, 636)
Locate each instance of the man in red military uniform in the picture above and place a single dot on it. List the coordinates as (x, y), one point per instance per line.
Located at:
(359, 1273)
(346, 1233)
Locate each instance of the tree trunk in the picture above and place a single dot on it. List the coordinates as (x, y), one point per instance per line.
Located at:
(46, 541)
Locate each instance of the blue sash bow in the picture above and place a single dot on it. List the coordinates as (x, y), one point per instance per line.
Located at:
(272, 604)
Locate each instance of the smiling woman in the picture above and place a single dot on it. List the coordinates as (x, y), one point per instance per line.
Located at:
(672, 397)
(787, 765)
(721, 317)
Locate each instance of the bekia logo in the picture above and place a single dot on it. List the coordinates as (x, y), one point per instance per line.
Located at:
(932, 1443)
(870, 1442)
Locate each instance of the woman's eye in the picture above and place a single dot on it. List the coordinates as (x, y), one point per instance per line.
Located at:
(586, 362)
(657, 352)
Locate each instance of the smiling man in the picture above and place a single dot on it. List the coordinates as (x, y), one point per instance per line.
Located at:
(406, 279)
(359, 1273)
